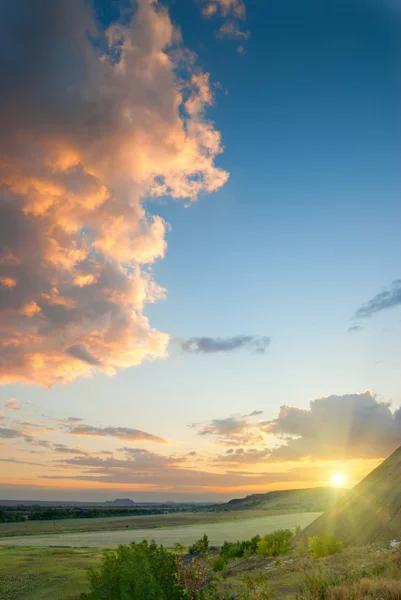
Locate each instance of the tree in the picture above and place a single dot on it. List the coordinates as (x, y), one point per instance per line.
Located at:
(324, 545)
(138, 571)
(200, 545)
(276, 543)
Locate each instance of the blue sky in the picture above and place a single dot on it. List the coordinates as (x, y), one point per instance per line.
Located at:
(304, 233)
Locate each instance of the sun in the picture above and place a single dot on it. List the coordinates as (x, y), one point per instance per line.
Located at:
(338, 479)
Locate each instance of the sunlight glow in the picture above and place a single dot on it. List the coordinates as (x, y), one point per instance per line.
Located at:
(338, 479)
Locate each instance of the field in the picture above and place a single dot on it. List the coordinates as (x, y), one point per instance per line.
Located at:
(44, 573)
(129, 522)
(168, 536)
(28, 573)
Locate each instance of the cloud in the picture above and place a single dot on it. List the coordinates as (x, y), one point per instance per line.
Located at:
(239, 456)
(10, 433)
(12, 404)
(122, 433)
(62, 449)
(233, 12)
(237, 430)
(352, 426)
(207, 345)
(21, 462)
(233, 8)
(383, 301)
(232, 31)
(355, 329)
(155, 471)
(92, 125)
(80, 352)
(336, 428)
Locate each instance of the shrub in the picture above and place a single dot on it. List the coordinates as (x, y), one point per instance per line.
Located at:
(367, 589)
(238, 549)
(231, 550)
(257, 588)
(200, 545)
(219, 563)
(141, 571)
(315, 584)
(275, 543)
(301, 549)
(324, 545)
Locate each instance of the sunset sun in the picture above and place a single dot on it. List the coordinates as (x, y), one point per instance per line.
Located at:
(338, 479)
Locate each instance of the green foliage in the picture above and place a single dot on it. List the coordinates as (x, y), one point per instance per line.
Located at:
(324, 545)
(55, 514)
(257, 588)
(240, 549)
(231, 550)
(200, 545)
(178, 548)
(298, 530)
(301, 549)
(219, 563)
(138, 571)
(315, 584)
(276, 543)
(8, 516)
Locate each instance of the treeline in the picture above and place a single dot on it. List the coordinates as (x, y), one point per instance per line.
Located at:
(53, 514)
(7, 516)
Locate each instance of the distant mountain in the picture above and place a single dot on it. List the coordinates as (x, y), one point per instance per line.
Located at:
(371, 511)
(121, 502)
(306, 500)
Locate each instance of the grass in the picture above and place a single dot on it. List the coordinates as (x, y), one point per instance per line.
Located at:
(358, 573)
(343, 576)
(45, 573)
(129, 522)
(168, 536)
(367, 589)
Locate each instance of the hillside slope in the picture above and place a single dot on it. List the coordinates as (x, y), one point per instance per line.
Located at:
(307, 500)
(370, 511)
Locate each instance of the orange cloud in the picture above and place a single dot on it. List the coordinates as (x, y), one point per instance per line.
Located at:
(8, 282)
(99, 136)
(234, 7)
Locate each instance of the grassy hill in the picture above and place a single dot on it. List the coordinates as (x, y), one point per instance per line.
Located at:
(371, 511)
(307, 500)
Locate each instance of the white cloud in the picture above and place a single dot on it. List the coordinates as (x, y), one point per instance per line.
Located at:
(87, 134)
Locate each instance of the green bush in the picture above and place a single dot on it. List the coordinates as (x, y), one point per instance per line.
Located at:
(301, 549)
(275, 544)
(139, 571)
(219, 563)
(231, 550)
(178, 548)
(200, 545)
(324, 545)
(238, 549)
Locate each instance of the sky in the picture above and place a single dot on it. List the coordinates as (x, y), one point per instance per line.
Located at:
(200, 285)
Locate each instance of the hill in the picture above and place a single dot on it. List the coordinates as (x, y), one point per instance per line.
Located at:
(306, 500)
(371, 511)
(120, 502)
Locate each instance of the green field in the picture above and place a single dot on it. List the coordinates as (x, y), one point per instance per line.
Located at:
(168, 536)
(129, 522)
(45, 573)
